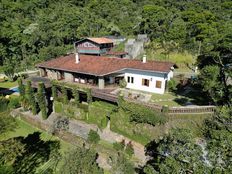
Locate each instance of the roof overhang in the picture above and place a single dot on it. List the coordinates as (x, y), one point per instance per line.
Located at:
(101, 75)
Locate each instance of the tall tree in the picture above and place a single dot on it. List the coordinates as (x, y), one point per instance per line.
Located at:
(79, 161)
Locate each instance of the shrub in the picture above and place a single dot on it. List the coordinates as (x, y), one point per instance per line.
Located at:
(93, 137)
(172, 85)
(3, 104)
(120, 100)
(58, 107)
(119, 146)
(70, 111)
(89, 96)
(129, 149)
(85, 107)
(165, 109)
(21, 87)
(64, 94)
(14, 103)
(76, 95)
(104, 122)
(30, 97)
(122, 83)
(142, 114)
(42, 100)
(54, 92)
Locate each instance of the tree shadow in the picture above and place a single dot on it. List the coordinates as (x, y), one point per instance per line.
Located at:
(6, 91)
(191, 95)
(37, 152)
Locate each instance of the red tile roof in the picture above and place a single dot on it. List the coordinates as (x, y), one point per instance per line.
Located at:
(100, 40)
(100, 66)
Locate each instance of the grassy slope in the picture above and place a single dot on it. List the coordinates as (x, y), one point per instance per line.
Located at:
(144, 133)
(8, 84)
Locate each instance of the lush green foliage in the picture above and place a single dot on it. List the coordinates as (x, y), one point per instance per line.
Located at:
(42, 100)
(76, 95)
(14, 102)
(142, 114)
(81, 161)
(30, 97)
(129, 149)
(26, 154)
(216, 66)
(64, 94)
(54, 92)
(93, 137)
(3, 104)
(89, 96)
(119, 146)
(172, 85)
(21, 87)
(7, 123)
(29, 36)
(120, 164)
(181, 152)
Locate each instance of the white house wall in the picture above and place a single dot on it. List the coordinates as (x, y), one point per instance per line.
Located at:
(170, 75)
(151, 76)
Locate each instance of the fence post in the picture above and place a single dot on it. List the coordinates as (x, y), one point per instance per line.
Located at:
(165, 109)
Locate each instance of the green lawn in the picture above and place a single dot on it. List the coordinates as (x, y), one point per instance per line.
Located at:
(24, 129)
(165, 96)
(169, 99)
(8, 84)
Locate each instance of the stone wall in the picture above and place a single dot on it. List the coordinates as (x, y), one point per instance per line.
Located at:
(52, 74)
(68, 77)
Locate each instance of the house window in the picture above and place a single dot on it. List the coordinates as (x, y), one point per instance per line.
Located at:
(158, 84)
(130, 79)
(145, 82)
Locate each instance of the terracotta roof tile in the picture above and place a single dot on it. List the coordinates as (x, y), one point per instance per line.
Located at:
(100, 40)
(99, 66)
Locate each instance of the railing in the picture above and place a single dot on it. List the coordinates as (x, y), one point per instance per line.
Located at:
(191, 109)
(158, 108)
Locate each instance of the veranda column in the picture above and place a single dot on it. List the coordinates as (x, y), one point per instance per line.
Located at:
(101, 82)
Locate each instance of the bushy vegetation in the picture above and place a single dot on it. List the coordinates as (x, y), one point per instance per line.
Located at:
(15, 102)
(181, 151)
(42, 100)
(64, 94)
(30, 97)
(81, 160)
(119, 146)
(3, 104)
(172, 85)
(142, 114)
(93, 137)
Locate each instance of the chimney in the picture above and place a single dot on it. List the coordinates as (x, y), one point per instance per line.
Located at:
(77, 58)
(144, 58)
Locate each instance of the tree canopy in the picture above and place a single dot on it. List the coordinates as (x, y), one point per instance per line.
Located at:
(37, 30)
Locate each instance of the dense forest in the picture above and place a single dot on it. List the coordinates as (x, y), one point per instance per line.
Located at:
(37, 30)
